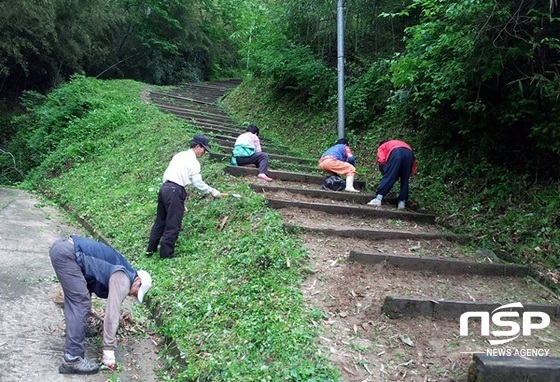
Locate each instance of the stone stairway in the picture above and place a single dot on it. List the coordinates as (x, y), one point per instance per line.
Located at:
(392, 285)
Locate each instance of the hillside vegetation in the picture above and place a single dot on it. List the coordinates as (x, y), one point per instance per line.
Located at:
(230, 300)
(502, 209)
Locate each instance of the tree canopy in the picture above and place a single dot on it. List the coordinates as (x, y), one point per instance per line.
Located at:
(477, 75)
(44, 42)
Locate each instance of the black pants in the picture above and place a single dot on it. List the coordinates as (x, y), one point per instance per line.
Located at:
(169, 217)
(258, 159)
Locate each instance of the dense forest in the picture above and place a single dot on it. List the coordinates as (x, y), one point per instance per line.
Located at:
(477, 79)
(478, 75)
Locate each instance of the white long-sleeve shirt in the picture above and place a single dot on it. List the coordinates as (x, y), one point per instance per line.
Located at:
(184, 169)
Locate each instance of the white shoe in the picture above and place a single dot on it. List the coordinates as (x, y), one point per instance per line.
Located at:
(375, 202)
(401, 205)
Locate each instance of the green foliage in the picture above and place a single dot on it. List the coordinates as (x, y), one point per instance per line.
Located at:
(366, 97)
(483, 75)
(229, 300)
(161, 42)
(47, 135)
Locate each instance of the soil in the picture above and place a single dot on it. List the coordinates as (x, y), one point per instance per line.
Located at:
(363, 342)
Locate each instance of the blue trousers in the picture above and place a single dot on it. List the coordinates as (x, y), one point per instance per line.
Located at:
(169, 217)
(398, 167)
(77, 298)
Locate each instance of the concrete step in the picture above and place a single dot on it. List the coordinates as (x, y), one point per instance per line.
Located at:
(361, 198)
(164, 102)
(440, 265)
(277, 175)
(282, 158)
(186, 97)
(363, 211)
(200, 117)
(399, 307)
(278, 166)
(375, 234)
(229, 143)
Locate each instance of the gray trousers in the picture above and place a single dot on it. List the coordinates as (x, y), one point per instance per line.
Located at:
(259, 159)
(77, 298)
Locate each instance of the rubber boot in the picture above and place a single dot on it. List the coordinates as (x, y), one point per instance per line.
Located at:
(350, 184)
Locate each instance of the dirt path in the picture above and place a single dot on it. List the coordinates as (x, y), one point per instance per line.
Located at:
(31, 323)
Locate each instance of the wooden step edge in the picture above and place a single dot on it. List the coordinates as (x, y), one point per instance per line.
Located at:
(373, 234)
(399, 307)
(281, 158)
(227, 157)
(513, 368)
(353, 197)
(183, 98)
(284, 175)
(229, 143)
(440, 265)
(223, 118)
(364, 211)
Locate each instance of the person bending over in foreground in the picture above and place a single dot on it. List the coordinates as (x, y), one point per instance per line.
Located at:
(395, 160)
(84, 266)
(339, 159)
(247, 150)
(183, 169)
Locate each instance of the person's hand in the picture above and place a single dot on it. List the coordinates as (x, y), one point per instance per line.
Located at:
(109, 359)
(215, 193)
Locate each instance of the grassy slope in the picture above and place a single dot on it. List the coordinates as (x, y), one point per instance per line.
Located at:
(229, 300)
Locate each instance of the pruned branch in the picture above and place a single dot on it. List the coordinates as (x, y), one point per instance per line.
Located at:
(3, 152)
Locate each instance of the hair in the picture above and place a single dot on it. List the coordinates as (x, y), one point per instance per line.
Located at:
(382, 141)
(342, 141)
(253, 129)
(193, 144)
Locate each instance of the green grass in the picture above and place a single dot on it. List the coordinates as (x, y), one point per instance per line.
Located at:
(228, 300)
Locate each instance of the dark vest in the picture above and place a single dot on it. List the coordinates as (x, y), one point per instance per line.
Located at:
(98, 262)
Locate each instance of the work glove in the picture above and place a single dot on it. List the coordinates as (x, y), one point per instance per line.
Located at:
(215, 193)
(109, 359)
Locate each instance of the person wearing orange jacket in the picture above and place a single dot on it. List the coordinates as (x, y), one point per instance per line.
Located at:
(396, 161)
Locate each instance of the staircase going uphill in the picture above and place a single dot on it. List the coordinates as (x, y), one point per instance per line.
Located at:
(395, 289)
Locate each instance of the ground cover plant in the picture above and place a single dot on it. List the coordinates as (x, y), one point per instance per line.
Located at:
(229, 301)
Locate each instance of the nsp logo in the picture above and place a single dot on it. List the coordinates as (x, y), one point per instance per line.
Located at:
(498, 318)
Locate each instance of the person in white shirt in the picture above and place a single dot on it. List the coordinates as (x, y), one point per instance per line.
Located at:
(184, 169)
(247, 150)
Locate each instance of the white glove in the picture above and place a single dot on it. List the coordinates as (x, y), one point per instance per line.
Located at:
(215, 193)
(109, 359)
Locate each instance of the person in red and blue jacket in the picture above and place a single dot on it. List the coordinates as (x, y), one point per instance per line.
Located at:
(396, 161)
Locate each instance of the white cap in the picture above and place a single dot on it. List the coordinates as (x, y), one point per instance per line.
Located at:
(146, 285)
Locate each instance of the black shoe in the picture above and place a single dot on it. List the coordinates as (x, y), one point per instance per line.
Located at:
(78, 366)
